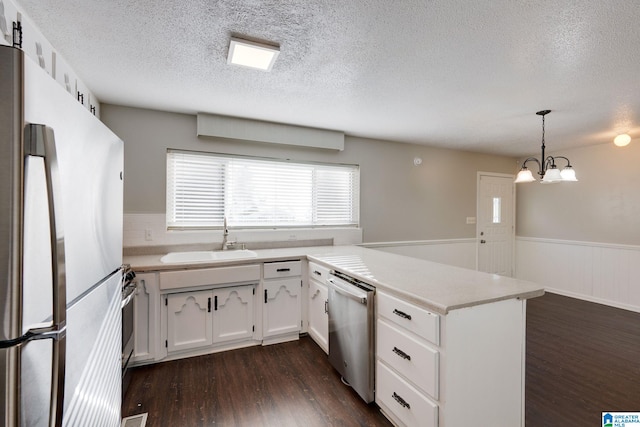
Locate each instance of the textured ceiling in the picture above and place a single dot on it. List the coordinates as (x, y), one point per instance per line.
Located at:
(463, 74)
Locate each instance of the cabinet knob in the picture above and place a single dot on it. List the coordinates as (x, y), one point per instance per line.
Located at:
(483, 241)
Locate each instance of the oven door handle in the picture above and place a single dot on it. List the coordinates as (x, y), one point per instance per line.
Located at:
(128, 297)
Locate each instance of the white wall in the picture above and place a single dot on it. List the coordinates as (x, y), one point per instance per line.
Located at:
(456, 252)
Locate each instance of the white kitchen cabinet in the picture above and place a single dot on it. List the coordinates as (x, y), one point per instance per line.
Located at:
(457, 369)
(189, 320)
(281, 308)
(318, 299)
(233, 313)
(201, 319)
(146, 311)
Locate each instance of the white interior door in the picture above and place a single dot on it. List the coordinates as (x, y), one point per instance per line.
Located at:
(495, 225)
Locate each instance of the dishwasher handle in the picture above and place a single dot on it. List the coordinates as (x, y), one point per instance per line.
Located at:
(346, 291)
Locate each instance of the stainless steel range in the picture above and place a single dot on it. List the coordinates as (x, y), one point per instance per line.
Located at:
(129, 286)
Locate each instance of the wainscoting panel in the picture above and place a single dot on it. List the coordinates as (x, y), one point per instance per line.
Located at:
(604, 273)
(457, 252)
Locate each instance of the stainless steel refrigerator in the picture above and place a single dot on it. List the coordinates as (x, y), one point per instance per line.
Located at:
(60, 254)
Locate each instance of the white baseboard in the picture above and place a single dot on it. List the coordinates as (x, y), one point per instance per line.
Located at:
(593, 299)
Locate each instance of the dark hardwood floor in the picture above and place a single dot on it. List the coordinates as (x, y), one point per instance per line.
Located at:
(290, 384)
(582, 359)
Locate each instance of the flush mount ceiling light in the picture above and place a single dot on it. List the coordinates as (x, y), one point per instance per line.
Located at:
(250, 54)
(547, 169)
(622, 140)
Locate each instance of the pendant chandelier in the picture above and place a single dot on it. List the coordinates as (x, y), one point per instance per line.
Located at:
(547, 169)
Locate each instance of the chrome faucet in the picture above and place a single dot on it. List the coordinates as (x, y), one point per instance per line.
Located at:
(225, 235)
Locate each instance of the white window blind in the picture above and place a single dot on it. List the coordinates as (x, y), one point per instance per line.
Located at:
(203, 189)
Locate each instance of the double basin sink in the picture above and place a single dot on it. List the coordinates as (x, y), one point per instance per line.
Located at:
(205, 256)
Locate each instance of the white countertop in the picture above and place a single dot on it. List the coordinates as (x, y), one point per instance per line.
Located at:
(437, 287)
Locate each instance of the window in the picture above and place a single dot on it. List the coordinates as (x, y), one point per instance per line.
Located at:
(203, 189)
(497, 210)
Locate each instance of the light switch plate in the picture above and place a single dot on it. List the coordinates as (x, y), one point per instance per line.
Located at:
(471, 220)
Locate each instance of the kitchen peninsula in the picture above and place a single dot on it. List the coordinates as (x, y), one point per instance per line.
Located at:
(454, 357)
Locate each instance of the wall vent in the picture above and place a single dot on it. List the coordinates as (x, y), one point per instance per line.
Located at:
(139, 420)
(274, 133)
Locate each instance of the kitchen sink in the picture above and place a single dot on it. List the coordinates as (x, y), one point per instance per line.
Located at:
(204, 256)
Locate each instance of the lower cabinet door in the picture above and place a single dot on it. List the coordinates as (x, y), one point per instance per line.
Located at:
(404, 401)
(233, 313)
(189, 320)
(318, 318)
(281, 307)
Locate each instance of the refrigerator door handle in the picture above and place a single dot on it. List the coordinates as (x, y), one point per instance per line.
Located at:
(39, 141)
(49, 332)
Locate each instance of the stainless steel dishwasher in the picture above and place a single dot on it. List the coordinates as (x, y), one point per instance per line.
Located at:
(351, 332)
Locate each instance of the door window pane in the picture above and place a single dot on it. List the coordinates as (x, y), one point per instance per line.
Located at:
(497, 201)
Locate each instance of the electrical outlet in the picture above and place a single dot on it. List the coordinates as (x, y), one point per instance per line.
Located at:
(471, 220)
(148, 235)
(293, 237)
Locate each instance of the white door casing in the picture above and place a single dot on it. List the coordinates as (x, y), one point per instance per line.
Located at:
(495, 229)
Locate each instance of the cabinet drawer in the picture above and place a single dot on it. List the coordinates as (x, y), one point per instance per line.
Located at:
(410, 406)
(209, 276)
(413, 359)
(318, 272)
(274, 270)
(409, 316)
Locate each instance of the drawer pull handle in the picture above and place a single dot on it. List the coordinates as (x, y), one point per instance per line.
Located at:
(317, 273)
(401, 353)
(401, 401)
(402, 314)
(281, 270)
(326, 306)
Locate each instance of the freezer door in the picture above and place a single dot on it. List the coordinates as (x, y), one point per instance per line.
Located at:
(92, 393)
(90, 159)
(94, 336)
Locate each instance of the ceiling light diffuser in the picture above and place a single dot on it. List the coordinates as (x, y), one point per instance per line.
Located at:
(252, 55)
(622, 140)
